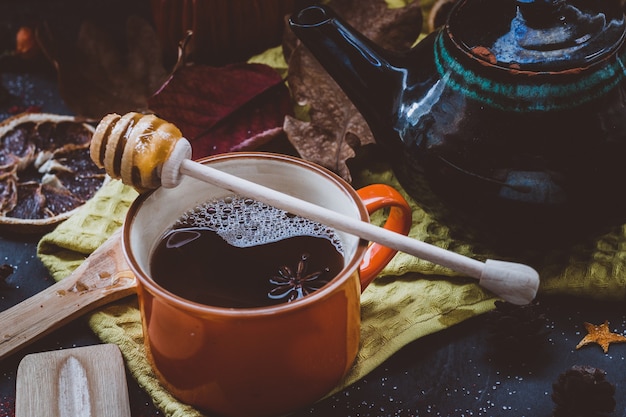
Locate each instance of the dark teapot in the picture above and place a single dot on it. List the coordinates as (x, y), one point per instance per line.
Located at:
(509, 122)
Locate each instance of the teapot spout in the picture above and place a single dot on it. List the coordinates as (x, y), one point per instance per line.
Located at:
(358, 66)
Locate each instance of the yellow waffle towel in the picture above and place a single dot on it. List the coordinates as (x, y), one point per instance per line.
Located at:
(410, 299)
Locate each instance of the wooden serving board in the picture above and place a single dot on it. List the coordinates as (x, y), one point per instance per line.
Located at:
(79, 382)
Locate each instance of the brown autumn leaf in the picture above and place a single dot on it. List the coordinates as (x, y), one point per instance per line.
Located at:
(97, 75)
(335, 129)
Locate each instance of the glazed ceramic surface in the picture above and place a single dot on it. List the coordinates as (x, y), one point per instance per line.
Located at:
(508, 121)
(263, 361)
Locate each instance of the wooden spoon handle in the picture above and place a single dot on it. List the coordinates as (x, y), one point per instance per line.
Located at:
(102, 278)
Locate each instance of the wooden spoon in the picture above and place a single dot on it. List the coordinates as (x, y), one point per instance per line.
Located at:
(102, 278)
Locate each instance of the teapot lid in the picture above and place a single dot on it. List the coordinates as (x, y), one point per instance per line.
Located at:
(537, 35)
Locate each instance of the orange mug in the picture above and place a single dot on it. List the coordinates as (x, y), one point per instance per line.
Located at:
(259, 361)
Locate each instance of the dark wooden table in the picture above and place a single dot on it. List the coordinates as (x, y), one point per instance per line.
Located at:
(450, 373)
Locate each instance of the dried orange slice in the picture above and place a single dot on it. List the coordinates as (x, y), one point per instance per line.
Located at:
(46, 172)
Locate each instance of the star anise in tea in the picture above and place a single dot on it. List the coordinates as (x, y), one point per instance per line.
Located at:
(294, 284)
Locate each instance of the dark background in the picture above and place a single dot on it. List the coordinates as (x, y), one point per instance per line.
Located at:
(451, 373)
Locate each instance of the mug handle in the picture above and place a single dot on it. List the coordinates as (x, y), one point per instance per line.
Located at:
(376, 197)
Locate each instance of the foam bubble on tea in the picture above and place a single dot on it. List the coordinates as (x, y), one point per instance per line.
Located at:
(240, 253)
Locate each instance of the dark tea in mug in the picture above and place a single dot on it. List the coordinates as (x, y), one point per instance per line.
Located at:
(241, 253)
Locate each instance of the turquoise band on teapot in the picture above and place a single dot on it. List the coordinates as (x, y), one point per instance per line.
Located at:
(521, 97)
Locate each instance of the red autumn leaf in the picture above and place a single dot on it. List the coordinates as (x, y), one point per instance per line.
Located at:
(232, 108)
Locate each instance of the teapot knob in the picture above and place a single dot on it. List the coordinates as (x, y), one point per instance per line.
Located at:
(539, 13)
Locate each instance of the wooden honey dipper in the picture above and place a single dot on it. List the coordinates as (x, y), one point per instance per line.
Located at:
(146, 152)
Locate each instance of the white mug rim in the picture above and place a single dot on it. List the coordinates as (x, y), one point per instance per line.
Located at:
(351, 266)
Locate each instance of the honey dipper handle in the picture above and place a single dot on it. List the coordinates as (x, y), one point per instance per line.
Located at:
(100, 279)
(514, 282)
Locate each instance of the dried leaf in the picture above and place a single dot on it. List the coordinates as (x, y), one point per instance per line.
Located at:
(97, 76)
(25, 43)
(232, 108)
(437, 15)
(395, 28)
(335, 128)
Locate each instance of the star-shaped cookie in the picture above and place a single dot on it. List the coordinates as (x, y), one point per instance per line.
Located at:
(600, 334)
